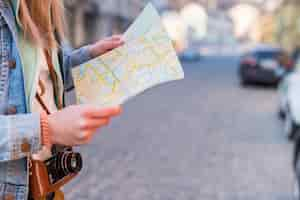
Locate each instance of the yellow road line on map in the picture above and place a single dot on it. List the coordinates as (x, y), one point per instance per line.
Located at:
(109, 70)
(116, 81)
(158, 61)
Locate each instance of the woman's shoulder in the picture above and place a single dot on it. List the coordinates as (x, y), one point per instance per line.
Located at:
(7, 17)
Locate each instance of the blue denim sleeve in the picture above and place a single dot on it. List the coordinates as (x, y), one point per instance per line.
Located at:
(20, 136)
(72, 58)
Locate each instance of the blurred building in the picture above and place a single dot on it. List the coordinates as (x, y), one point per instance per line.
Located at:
(176, 28)
(195, 17)
(90, 20)
(247, 23)
(220, 28)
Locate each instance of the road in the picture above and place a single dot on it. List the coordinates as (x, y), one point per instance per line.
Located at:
(203, 138)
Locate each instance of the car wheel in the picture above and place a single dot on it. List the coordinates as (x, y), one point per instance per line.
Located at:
(290, 127)
(281, 114)
(243, 82)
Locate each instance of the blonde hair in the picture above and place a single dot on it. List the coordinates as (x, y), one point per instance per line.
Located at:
(42, 21)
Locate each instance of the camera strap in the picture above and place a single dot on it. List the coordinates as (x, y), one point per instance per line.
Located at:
(39, 181)
(54, 79)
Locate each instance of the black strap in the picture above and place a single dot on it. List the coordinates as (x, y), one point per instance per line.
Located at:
(40, 100)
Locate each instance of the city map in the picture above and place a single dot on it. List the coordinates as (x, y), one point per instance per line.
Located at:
(147, 59)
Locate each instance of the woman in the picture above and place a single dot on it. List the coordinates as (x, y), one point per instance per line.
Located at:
(32, 82)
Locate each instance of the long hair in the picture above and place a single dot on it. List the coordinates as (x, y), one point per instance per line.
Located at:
(42, 21)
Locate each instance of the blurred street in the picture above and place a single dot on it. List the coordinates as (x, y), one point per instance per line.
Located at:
(203, 138)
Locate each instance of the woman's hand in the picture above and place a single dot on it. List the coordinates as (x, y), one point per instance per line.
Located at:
(102, 46)
(76, 125)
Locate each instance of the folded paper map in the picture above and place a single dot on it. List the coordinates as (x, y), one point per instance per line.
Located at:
(147, 59)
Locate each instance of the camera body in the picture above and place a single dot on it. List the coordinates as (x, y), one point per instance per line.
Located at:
(49, 176)
(63, 164)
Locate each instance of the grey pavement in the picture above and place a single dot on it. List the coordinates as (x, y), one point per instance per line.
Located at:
(203, 138)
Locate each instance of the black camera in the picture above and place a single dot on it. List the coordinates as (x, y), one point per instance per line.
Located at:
(63, 164)
(47, 177)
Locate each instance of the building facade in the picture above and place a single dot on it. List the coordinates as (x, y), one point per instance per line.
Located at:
(90, 20)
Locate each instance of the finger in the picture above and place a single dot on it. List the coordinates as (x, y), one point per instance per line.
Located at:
(91, 134)
(117, 37)
(91, 124)
(86, 137)
(112, 38)
(108, 45)
(102, 112)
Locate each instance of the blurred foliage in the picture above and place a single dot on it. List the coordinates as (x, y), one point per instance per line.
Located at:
(287, 31)
(266, 28)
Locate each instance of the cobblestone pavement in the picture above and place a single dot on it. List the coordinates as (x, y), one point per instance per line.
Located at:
(204, 138)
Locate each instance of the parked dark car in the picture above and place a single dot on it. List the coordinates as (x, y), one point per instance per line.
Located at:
(264, 65)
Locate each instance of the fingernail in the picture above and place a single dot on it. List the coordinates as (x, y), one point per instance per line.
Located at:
(119, 109)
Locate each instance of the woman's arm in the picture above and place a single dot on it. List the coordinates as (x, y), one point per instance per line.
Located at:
(20, 136)
(70, 58)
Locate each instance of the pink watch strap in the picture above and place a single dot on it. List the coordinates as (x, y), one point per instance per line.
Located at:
(45, 131)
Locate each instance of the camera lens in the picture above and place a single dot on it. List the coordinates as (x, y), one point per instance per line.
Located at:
(74, 162)
(63, 164)
(71, 162)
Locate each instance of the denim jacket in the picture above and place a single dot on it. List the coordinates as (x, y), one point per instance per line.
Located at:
(20, 129)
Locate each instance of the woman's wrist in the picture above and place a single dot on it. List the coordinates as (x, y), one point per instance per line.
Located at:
(91, 51)
(45, 131)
